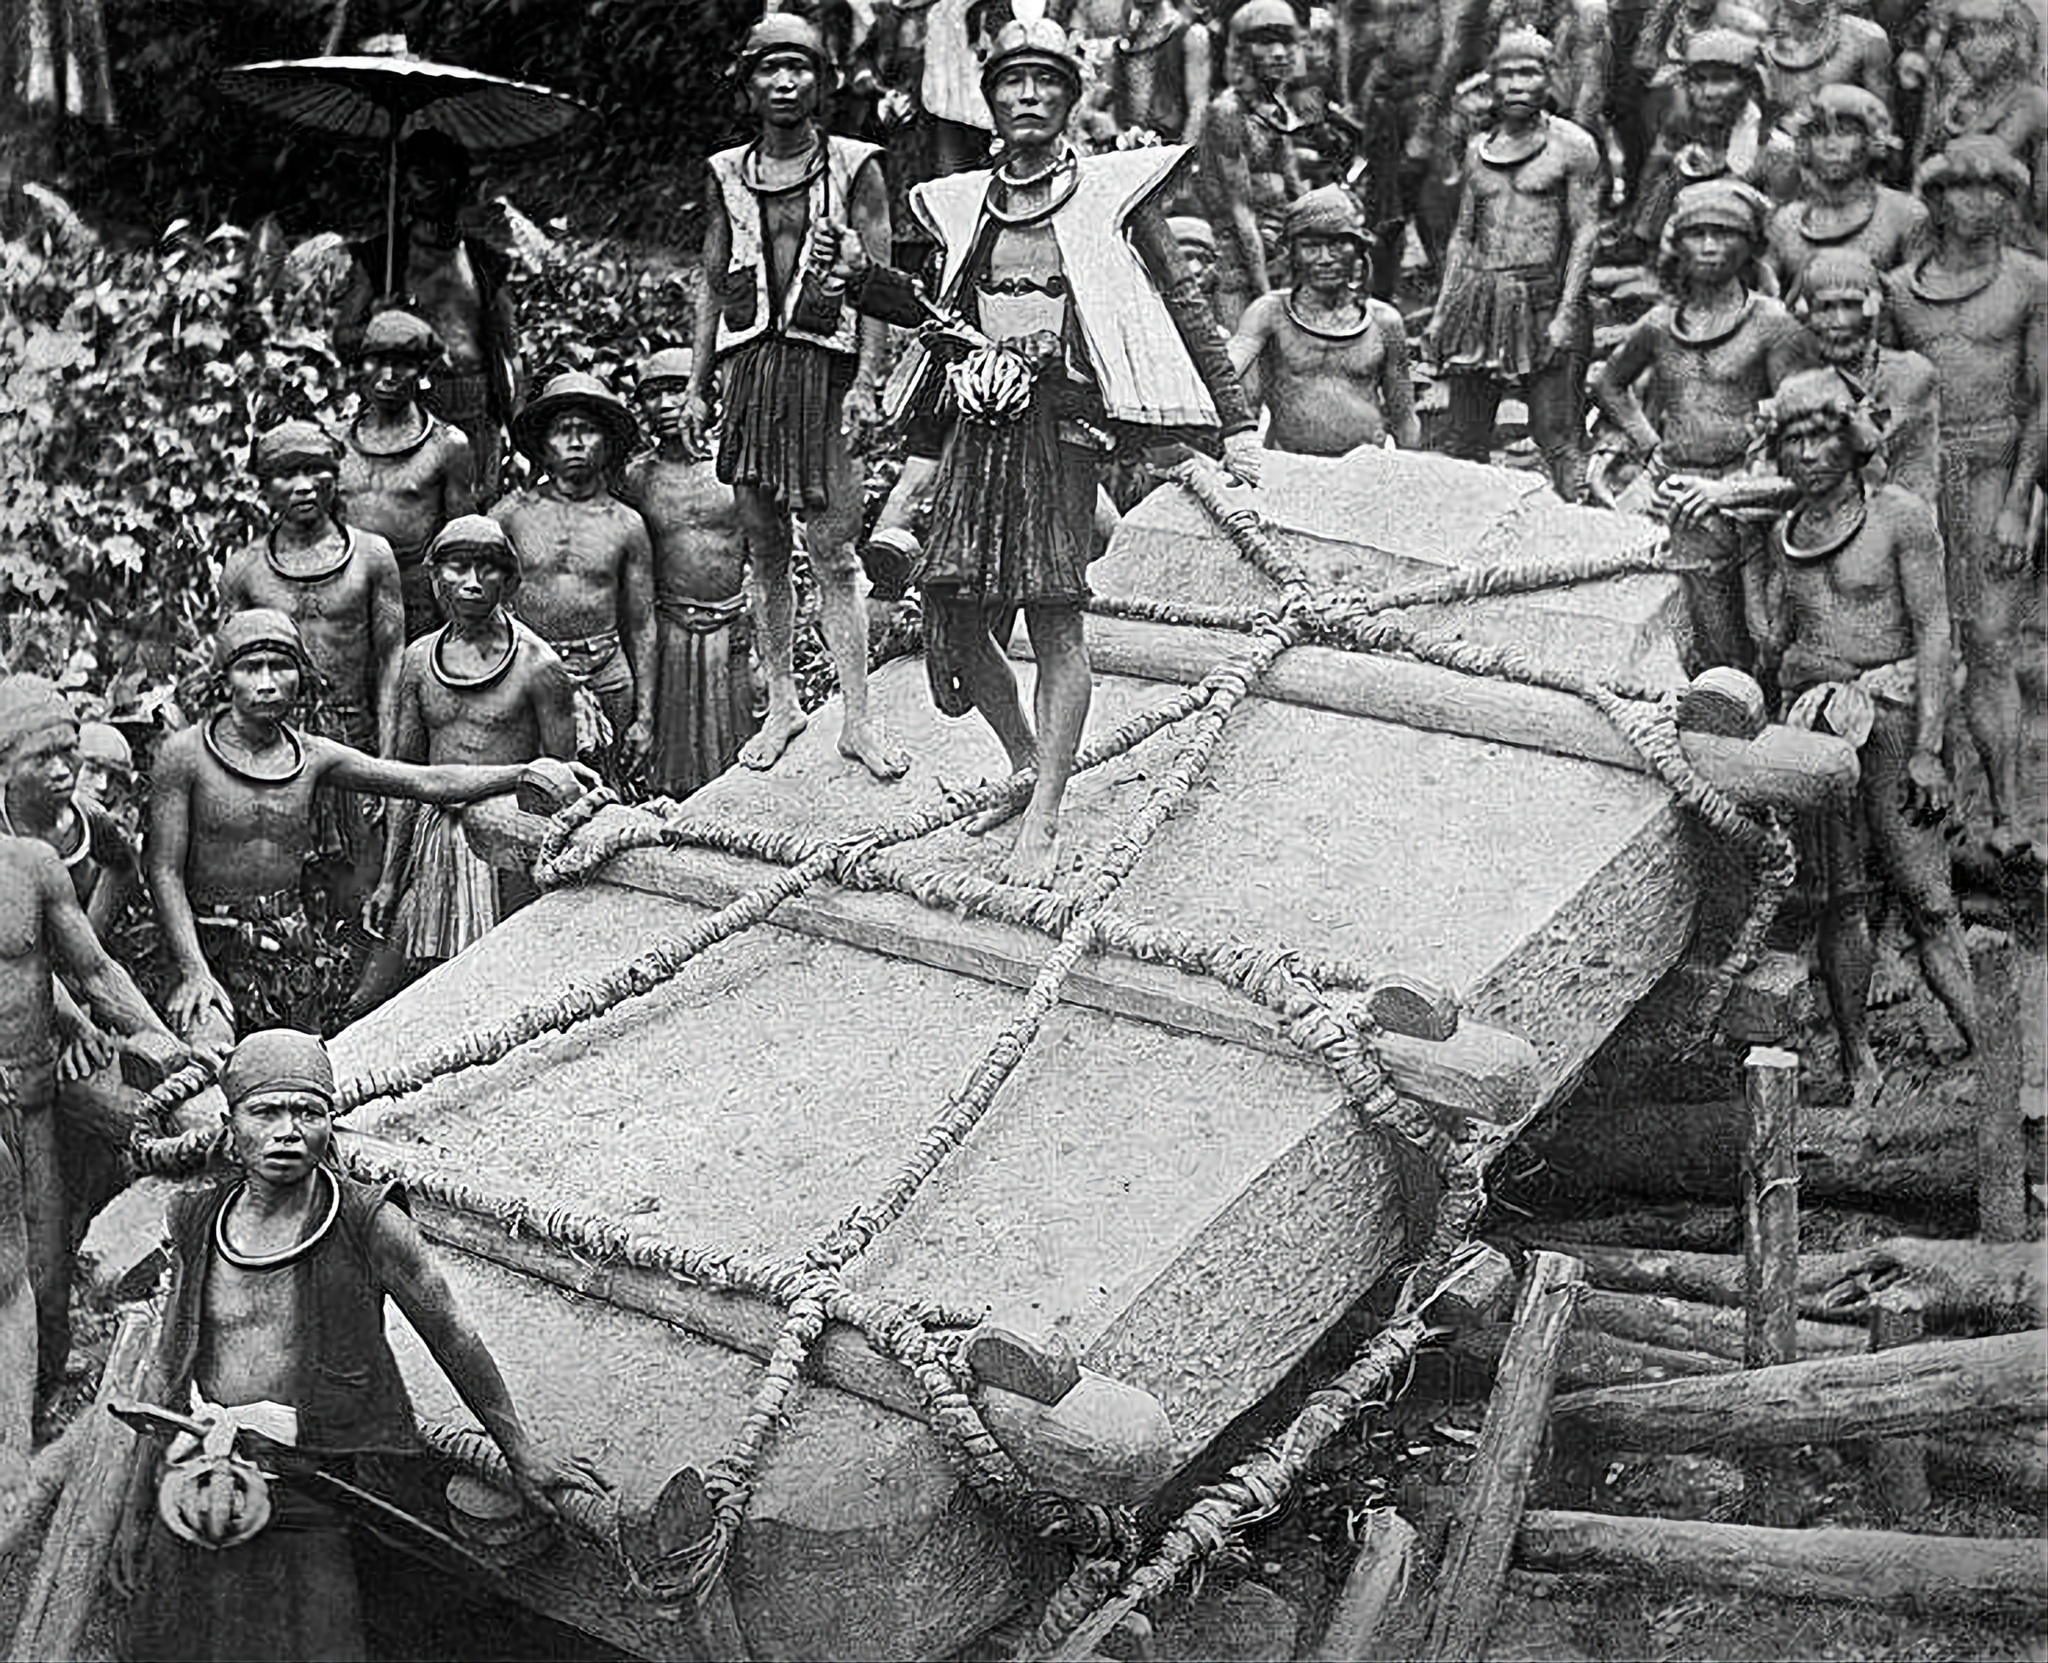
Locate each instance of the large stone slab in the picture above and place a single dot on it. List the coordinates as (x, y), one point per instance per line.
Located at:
(1379, 519)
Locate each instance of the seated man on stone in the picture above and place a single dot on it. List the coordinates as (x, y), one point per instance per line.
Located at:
(1852, 606)
(300, 1363)
(1328, 362)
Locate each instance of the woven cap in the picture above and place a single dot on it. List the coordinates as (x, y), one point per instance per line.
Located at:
(404, 333)
(294, 443)
(277, 1060)
(256, 629)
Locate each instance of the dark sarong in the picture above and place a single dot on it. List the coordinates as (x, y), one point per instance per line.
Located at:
(781, 404)
(707, 693)
(1013, 512)
(288, 1593)
(278, 967)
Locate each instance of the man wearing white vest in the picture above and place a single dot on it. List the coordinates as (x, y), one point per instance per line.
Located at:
(1101, 340)
(790, 217)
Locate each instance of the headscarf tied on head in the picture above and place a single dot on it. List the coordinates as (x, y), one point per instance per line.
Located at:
(294, 441)
(277, 1060)
(29, 705)
(1825, 398)
(480, 536)
(258, 629)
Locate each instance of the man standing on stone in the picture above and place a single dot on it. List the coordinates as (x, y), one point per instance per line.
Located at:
(405, 473)
(341, 588)
(1978, 310)
(1713, 351)
(1039, 256)
(1328, 362)
(588, 585)
(791, 216)
(1844, 135)
(456, 281)
(1513, 306)
(1860, 634)
(705, 711)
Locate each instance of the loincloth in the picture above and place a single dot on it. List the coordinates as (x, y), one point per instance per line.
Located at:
(706, 678)
(781, 407)
(603, 699)
(451, 892)
(278, 968)
(1498, 322)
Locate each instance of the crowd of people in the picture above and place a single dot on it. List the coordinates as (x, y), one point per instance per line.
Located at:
(1037, 257)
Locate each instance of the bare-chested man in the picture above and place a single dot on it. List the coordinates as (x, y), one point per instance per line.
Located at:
(1513, 307)
(405, 473)
(1246, 168)
(1978, 310)
(1843, 136)
(1717, 130)
(43, 926)
(275, 1322)
(588, 584)
(1987, 82)
(340, 587)
(456, 281)
(231, 833)
(1713, 352)
(1857, 613)
(1818, 43)
(1329, 363)
(482, 691)
(705, 712)
(793, 216)
(1157, 77)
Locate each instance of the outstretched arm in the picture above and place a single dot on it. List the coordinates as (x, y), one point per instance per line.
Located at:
(348, 769)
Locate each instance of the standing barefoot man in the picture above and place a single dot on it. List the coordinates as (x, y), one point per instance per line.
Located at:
(1513, 307)
(791, 216)
(1096, 320)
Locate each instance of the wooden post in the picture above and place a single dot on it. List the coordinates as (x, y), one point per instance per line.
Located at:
(1935, 1386)
(1898, 1464)
(2001, 1140)
(1770, 1253)
(1386, 1548)
(1490, 1502)
(1883, 1569)
(65, 1589)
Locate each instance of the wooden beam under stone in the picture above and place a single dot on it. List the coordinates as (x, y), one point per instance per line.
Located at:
(1479, 1072)
(1781, 768)
(1885, 1570)
(1103, 1441)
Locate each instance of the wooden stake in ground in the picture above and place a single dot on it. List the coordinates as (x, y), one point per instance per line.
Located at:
(1770, 1251)
(1887, 1570)
(1490, 1503)
(2001, 1140)
(1898, 1464)
(66, 1586)
(1379, 1576)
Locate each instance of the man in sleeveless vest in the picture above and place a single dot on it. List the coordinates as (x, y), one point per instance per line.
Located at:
(340, 586)
(275, 1324)
(1513, 307)
(790, 217)
(1066, 265)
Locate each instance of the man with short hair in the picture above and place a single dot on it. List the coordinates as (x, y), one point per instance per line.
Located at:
(457, 281)
(1328, 362)
(405, 472)
(1513, 307)
(588, 585)
(705, 711)
(1718, 131)
(792, 217)
(1712, 351)
(44, 929)
(1978, 309)
(1843, 136)
(1816, 44)
(231, 833)
(1857, 610)
(481, 690)
(274, 1327)
(340, 587)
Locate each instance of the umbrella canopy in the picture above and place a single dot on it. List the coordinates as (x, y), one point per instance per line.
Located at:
(372, 100)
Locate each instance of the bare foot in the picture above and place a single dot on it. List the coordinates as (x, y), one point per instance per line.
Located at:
(884, 761)
(1033, 858)
(765, 749)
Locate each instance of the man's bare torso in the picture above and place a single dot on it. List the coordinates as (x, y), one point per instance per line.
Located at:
(252, 1330)
(489, 724)
(1519, 212)
(1704, 395)
(1977, 342)
(692, 523)
(1850, 605)
(1322, 395)
(403, 498)
(573, 554)
(333, 613)
(25, 1011)
(243, 839)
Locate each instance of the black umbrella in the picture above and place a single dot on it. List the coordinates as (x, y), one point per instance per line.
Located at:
(374, 99)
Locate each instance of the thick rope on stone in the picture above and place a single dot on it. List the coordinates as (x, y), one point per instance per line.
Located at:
(1087, 1585)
